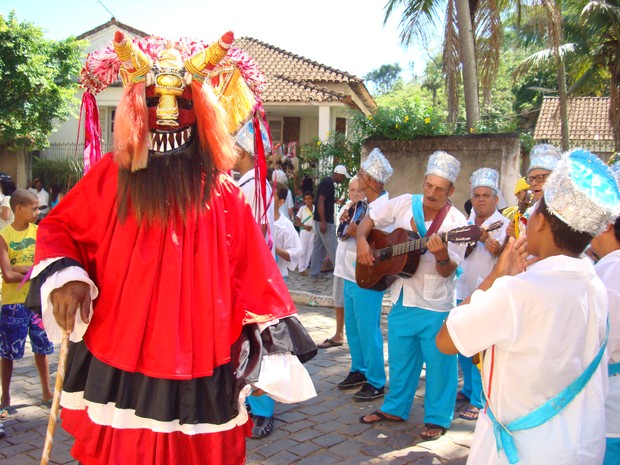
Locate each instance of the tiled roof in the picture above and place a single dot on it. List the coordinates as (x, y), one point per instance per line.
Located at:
(116, 23)
(588, 119)
(292, 78)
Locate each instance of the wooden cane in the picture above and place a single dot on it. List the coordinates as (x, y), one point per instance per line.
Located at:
(60, 378)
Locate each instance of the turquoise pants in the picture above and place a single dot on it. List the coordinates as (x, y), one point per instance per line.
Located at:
(262, 405)
(362, 320)
(612, 451)
(411, 343)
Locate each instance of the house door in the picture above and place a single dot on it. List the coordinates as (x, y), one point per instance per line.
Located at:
(291, 129)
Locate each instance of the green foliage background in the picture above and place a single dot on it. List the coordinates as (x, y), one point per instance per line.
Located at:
(38, 82)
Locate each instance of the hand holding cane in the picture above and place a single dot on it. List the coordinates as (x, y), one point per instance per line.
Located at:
(66, 301)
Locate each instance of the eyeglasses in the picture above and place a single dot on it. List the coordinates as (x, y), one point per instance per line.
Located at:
(538, 178)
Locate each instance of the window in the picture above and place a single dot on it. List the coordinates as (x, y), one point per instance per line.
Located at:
(275, 126)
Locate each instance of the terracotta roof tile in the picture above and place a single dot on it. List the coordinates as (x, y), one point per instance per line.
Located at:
(588, 119)
(293, 78)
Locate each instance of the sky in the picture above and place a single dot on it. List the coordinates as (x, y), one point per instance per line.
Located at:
(348, 35)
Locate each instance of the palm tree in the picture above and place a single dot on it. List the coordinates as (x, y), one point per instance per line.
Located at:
(601, 21)
(472, 39)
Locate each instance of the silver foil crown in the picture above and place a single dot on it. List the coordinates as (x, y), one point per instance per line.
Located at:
(615, 169)
(377, 166)
(484, 177)
(583, 193)
(443, 164)
(245, 137)
(544, 157)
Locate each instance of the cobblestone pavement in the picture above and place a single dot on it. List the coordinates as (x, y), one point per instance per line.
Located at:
(323, 431)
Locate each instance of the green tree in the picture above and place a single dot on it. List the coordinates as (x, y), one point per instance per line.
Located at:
(384, 78)
(38, 82)
(600, 20)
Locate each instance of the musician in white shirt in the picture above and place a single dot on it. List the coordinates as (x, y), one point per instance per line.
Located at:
(421, 302)
(541, 320)
(479, 260)
(362, 307)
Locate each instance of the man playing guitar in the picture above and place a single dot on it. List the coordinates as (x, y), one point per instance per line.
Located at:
(422, 302)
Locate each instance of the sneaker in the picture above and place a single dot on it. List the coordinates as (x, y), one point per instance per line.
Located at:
(368, 392)
(263, 426)
(353, 379)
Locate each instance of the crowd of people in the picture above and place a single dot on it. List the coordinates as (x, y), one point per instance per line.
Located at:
(179, 255)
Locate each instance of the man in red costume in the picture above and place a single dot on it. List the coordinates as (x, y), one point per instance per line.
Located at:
(154, 263)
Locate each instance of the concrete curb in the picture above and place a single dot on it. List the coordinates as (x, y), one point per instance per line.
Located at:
(315, 300)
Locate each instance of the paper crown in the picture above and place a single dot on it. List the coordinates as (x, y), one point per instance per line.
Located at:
(484, 177)
(544, 157)
(521, 185)
(245, 137)
(377, 166)
(583, 193)
(444, 165)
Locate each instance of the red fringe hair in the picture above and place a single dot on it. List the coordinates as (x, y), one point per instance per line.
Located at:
(131, 128)
(212, 127)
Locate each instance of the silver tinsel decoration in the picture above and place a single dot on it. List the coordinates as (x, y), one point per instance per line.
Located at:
(245, 138)
(544, 157)
(443, 164)
(377, 166)
(484, 177)
(583, 192)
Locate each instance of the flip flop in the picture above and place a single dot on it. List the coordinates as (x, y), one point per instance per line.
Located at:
(327, 343)
(471, 412)
(428, 437)
(382, 417)
(4, 413)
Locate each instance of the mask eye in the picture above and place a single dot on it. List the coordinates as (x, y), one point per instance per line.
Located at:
(152, 102)
(184, 104)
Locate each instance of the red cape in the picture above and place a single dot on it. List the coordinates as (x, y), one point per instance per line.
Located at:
(172, 299)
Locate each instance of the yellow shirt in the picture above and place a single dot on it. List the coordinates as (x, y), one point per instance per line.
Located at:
(21, 245)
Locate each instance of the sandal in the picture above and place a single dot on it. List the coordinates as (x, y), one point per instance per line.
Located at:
(471, 412)
(381, 417)
(4, 413)
(431, 426)
(327, 343)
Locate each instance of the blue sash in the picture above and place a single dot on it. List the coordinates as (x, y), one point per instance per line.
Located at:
(418, 217)
(544, 413)
(418, 214)
(614, 368)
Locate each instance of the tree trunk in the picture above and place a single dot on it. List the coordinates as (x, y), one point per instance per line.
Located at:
(614, 105)
(468, 60)
(563, 103)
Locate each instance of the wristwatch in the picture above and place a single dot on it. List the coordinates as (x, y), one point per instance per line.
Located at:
(443, 262)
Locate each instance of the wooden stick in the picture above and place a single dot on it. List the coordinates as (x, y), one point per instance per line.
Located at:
(60, 379)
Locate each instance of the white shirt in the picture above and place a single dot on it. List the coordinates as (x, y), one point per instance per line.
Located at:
(546, 325)
(287, 205)
(346, 253)
(248, 186)
(285, 237)
(306, 217)
(426, 288)
(608, 269)
(479, 263)
(44, 199)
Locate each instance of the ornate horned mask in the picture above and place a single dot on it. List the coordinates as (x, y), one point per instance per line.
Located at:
(175, 92)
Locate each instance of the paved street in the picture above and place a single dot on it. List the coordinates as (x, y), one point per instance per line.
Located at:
(324, 430)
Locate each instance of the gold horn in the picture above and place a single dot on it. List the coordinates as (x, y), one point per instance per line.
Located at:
(135, 63)
(205, 60)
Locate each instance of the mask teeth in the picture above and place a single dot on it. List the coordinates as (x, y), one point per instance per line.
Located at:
(172, 142)
(179, 138)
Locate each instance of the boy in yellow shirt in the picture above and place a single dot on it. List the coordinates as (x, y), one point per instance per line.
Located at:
(17, 245)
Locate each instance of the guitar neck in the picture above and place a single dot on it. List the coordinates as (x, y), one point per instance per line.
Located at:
(416, 244)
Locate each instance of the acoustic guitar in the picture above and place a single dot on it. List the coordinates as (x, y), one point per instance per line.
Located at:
(397, 254)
